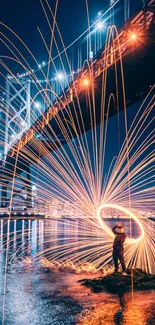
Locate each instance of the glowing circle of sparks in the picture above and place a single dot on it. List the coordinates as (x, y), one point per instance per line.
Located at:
(129, 215)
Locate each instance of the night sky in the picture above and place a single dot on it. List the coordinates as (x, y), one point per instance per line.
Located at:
(25, 16)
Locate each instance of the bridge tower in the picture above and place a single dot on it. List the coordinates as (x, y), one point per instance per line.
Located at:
(17, 119)
(17, 122)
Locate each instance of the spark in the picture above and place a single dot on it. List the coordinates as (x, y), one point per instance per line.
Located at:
(76, 173)
(128, 213)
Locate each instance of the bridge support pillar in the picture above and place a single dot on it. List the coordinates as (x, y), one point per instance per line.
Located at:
(4, 196)
(29, 187)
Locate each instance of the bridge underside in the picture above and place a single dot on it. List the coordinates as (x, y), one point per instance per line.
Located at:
(139, 76)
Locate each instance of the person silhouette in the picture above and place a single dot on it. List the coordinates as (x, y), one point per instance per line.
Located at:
(118, 249)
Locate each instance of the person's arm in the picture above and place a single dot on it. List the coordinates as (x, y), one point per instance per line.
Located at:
(122, 239)
(114, 230)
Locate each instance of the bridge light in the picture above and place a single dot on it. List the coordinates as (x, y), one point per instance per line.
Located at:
(86, 82)
(100, 25)
(91, 55)
(133, 36)
(60, 76)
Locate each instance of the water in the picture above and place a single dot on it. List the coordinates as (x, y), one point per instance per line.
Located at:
(37, 296)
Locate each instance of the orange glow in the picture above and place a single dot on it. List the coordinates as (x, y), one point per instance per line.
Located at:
(86, 82)
(129, 215)
(133, 36)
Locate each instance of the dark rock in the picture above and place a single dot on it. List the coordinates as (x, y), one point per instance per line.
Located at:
(116, 283)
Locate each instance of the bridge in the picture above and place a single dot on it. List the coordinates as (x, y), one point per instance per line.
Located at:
(134, 42)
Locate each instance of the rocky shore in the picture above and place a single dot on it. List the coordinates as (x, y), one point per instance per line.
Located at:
(117, 283)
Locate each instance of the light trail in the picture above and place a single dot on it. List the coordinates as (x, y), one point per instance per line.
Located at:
(81, 172)
(128, 213)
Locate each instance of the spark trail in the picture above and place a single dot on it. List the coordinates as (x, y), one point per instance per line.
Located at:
(82, 172)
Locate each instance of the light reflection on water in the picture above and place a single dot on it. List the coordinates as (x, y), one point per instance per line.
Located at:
(38, 297)
(32, 238)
